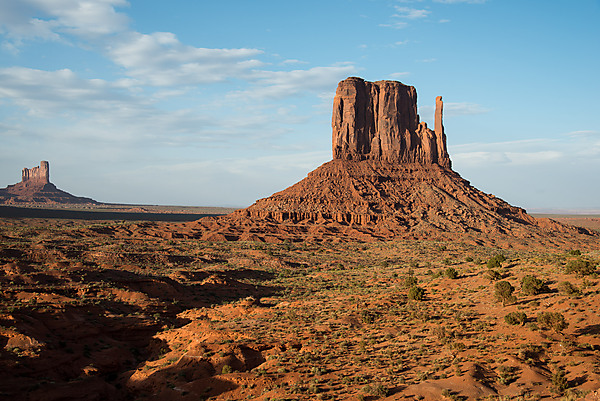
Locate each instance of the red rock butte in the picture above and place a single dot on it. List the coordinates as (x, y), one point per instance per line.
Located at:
(379, 121)
(35, 187)
(390, 177)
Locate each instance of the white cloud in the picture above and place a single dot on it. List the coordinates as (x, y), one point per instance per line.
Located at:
(160, 59)
(584, 134)
(44, 93)
(404, 14)
(51, 19)
(277, 84)
(567, 149)
(410, 13)
(293, 61)
(395, 25)
(463, 108)
(74, 108)
(508, 158)
(396, 75)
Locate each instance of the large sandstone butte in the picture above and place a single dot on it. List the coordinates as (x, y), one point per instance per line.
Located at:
(35, 187)
(390, 177)
(379, 121)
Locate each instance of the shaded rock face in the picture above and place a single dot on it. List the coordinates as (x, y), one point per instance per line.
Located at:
(37, 175)
(379, 121)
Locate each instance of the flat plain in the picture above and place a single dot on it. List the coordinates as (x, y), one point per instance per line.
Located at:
(119, 310)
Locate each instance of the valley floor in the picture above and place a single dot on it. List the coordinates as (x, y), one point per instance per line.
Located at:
(106, 310)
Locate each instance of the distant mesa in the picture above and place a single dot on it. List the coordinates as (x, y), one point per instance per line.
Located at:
(390, 177)
(35, 188)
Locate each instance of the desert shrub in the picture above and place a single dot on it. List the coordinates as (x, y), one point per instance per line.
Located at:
(529, 352)
(451, 273)
(559, 380)
(368, 317)
(531, 285)
(410, 281)
(580, 267)
(226, 369)
(493, 275)
(417, 293)
(552, 320)
(566, 288)
(514, 318)
(469, 259)
(575, 252)
(441, 333)
(504, 292)
(506, 374)
(376, 389)
(495, 261)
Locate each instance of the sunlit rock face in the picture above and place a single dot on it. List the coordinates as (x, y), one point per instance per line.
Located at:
(379, 121)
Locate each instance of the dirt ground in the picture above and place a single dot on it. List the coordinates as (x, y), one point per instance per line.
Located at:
(107, 310)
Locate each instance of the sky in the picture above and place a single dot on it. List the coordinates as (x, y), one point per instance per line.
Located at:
(220, 103)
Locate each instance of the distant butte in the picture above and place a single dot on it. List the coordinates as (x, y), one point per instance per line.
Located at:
(390, 177)
(35, 188)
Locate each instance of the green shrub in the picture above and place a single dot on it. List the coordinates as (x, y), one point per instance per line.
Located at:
(226, 369)
(506, 374)
(580, 267)
(531, 285)
(514, 318)
(376, 389)
(493, 275)
(559, 380)
(410, 281)
(451, 273)
(504, 292)
(416, 293)
(575, 252)
(552, 320)
(495, 261)
(566, 288)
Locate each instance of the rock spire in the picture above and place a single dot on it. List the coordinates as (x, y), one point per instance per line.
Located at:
(379, 121)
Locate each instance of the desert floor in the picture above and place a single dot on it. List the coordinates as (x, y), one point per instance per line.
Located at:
(116, 310)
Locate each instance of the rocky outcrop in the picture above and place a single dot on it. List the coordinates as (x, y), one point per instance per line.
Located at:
(390, 177)
(35, 187)
(379, 121)
(37, 175)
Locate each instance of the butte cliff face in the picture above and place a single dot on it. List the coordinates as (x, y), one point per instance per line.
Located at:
(39, 175)
(379, 121)
(35, 187)
(390, 177)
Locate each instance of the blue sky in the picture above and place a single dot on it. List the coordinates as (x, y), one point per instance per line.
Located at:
(224, 102)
